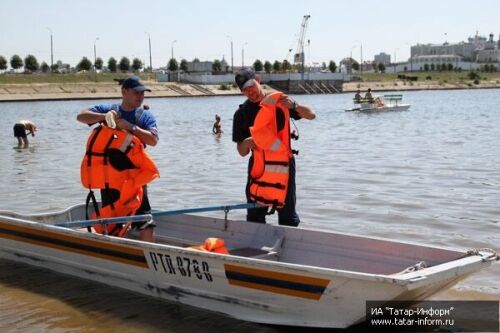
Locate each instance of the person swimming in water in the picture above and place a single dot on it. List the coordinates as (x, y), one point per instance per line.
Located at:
(217, 128)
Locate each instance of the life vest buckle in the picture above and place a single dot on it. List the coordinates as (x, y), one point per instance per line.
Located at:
(295, 152)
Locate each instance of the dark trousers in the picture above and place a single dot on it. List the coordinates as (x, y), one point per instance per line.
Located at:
(286, 215)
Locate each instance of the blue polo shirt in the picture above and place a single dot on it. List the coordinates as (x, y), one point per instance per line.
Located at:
(140, 117)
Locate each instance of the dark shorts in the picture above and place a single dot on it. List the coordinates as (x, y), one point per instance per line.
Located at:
(19, 131)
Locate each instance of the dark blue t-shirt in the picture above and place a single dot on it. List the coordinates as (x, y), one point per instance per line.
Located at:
(140, 117)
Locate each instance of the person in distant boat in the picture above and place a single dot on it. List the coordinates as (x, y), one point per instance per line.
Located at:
(245, 120)
(138, 121)
(357, 97)
(368, 95)
(20, 129)
(217, 128)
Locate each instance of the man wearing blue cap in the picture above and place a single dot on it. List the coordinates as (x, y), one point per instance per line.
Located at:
(131, 117)
(244, 117)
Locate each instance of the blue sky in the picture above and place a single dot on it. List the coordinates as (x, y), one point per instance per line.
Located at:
(269, 28)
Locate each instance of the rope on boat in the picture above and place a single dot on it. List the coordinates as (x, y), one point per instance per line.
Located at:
(476, 252)
(418, 266)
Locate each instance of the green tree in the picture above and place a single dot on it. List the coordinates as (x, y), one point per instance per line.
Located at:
(450, 67)
(381, 67)
(268, 67)
(124, 64)
(136, 64)
(426, 67)
(184, 65)
(84, 64)
(173, 65)
(44, 67)
(433, 67)
(375, 66)
(30, 63)
(277, 66)
(258, 66)
(98, 64)
(3, 63)
(443, 67)
(286, 65)
(216, 66)
(332, 66)
(16, 62)
(354, 65)
(323, 65)
(112, 65)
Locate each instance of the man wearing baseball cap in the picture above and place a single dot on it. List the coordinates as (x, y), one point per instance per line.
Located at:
(129, 116)
(244, 117)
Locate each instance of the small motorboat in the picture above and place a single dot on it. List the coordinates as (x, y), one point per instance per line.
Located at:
(271, 274)
(383, 103)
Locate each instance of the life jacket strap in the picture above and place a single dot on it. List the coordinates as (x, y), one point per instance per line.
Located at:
(272, 203)
(91, 196)
(279, 186)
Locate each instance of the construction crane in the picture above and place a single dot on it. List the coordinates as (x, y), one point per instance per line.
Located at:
(299, 58)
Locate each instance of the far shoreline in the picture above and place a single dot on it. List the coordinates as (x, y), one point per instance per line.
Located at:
(88, 91)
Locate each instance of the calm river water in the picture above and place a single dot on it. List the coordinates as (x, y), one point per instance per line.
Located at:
(430, 175)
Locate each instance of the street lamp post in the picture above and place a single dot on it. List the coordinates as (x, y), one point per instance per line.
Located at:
(172, 48)
(95, 53)
(150, 58)
(360, 56)
(232, 59)
(350, 58)
(51, 50)
(243, 55)
(395, 63)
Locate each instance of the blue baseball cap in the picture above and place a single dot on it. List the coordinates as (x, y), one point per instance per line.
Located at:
(244, 78)
(132, 82)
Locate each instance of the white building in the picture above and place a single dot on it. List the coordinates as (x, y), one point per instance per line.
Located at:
(477, 48)
(197, 66)
(383, 58)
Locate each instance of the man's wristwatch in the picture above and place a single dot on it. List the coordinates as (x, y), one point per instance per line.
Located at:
(294, 106)
(133, 129)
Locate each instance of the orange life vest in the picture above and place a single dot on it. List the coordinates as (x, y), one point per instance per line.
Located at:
(212, 244)
(116, 159)
(271, 156)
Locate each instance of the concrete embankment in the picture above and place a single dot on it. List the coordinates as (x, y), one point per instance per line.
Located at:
(104, 90)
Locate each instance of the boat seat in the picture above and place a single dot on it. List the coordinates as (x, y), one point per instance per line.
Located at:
(265, 252)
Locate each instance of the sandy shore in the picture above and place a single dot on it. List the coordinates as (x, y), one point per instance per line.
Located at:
(110, 90)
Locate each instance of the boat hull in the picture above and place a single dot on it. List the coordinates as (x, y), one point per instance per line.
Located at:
(259, 289)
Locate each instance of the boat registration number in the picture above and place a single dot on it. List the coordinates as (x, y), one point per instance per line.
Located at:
(179, 265)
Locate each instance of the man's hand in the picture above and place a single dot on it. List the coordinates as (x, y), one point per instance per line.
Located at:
(287, 101)
(245, 146)
(123, 124)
